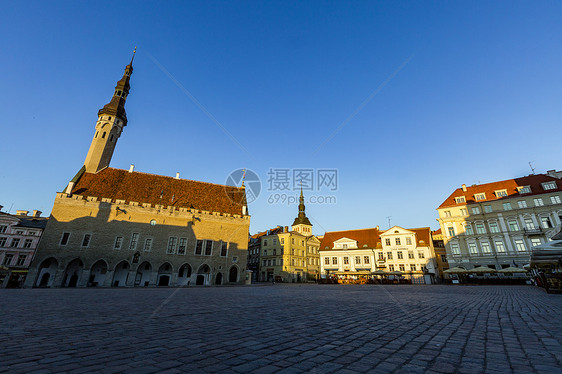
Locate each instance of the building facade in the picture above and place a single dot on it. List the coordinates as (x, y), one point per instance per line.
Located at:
(19, 236)
(254, 251)
(440, 253)
(113, 227)
(497, 224)
(291, 256)
(359, 253)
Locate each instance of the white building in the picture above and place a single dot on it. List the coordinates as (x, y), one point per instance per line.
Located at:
(358, 253)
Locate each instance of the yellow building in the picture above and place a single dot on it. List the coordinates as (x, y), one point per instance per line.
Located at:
(113, 227)
(291, 256)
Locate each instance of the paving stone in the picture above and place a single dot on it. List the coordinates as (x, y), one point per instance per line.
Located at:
(285, 329)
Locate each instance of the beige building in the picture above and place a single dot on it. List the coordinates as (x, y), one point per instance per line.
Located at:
(359, 253)
(497, 224)
(291, 256)
(113, 227)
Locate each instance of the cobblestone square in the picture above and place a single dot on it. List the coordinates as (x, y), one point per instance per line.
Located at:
(282, 329)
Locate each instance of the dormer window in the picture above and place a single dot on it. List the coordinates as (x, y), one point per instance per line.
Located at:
(501, 193)
(549, 185)
(460, 200)
(524, 189)
(480, 196)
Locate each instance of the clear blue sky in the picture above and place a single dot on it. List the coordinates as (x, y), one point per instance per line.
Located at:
(465, 92)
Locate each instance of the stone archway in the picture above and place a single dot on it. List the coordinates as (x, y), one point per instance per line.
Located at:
(218, 279)
(184, 275)
(121, 274)
(144, 272)
(47, 272)
(203, 275)
(164, 275)
(98, 273)
(233, 274)
(72, 273)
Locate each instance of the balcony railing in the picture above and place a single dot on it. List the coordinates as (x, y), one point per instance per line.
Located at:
(533, 231)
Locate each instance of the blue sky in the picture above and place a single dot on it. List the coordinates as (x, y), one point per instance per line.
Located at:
(460, 92)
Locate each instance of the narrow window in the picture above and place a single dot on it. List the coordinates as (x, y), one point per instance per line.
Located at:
(118, 242)
(224, 248)
(199, 247)
(172, 241)
(103, 135)
(134, 240)
(148, 244)
(64, 239)
(182, 245)
(208, 247)
(86, 240)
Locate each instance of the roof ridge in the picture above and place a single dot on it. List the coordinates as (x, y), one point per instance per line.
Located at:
(166, 176)
(508, 179)
(369, 228)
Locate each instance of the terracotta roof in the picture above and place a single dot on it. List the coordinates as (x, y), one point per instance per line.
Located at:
(534, 181)
(422, 233)
(275, 230)
(161, 190)
(369, 237)
(437, 232)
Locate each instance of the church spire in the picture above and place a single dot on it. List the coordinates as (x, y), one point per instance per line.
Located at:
(111, 120)
(302, 219)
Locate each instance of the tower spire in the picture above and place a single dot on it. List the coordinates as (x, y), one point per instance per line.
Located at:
(302, 219)
(111, 120)
(116, 105)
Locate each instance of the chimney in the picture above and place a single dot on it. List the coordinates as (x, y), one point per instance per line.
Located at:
(131, 168)
(37, 213)
(1, 206)
(69, 188)
(22, 212)
(377, 227)
(178, 175)
(286, 229)
(464, 187)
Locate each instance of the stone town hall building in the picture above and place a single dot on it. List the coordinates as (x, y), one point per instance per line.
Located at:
(113, 227)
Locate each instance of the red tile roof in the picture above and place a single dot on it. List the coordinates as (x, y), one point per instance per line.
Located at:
(422, 233)
(161, 190)
(273, 231)
(534, 181)
(368, 237)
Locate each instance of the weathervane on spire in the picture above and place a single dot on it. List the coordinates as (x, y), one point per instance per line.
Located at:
(134, 51)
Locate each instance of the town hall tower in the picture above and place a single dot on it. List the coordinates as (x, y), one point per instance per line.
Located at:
(111, 120)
